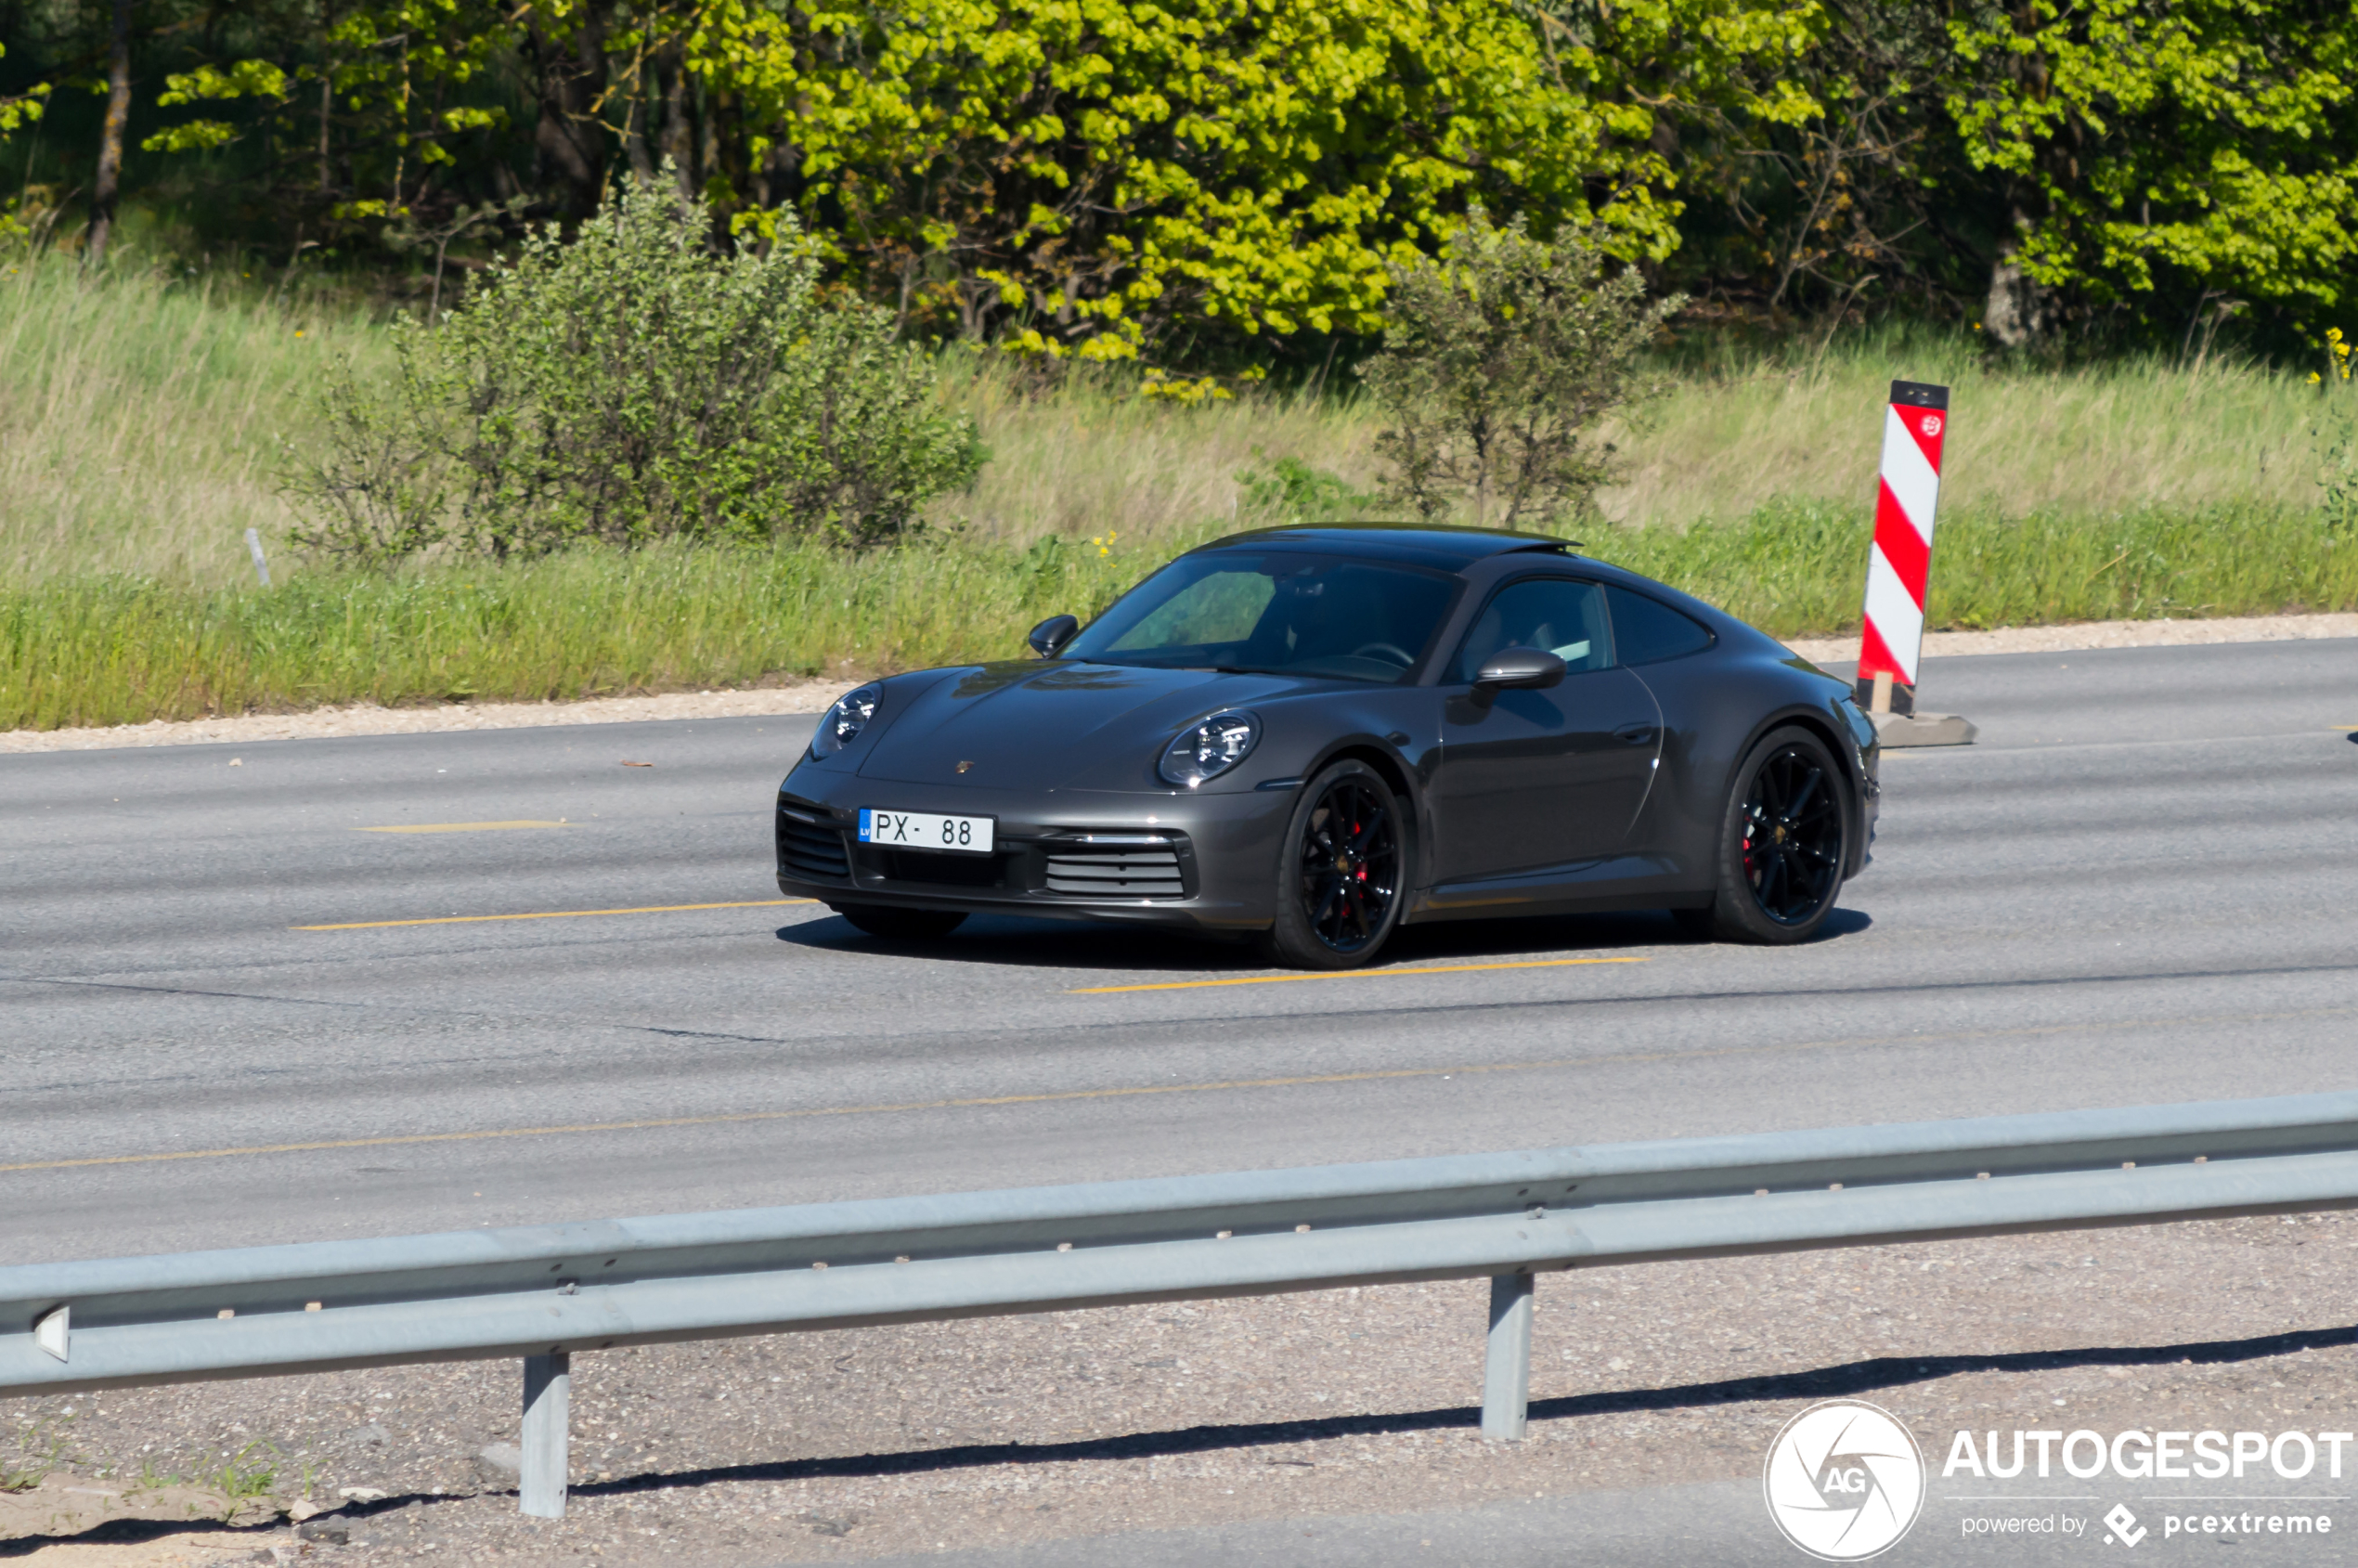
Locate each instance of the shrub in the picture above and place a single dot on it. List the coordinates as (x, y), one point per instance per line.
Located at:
(1503, 356)
(630, 386)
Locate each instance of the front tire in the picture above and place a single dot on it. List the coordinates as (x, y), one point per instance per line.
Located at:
(901, 925)
(1784, 841)
(1342, 872)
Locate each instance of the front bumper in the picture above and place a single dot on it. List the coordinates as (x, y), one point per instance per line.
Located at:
(1195, 861)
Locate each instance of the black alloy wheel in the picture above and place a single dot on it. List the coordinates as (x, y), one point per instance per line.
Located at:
(1792, 836)
(1340, 879)
(1783, 845)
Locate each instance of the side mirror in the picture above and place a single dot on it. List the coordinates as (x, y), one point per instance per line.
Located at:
(1532, 668)
(1057, 630)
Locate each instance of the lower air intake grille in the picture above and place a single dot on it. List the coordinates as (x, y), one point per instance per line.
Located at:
(1108, 871)
(943, 871)
(812, 849)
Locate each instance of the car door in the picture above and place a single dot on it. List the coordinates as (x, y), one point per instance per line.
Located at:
(1531, 781)
(1658, 644)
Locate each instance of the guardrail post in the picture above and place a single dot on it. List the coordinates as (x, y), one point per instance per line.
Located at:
(547, 1399)
(1506, 1378)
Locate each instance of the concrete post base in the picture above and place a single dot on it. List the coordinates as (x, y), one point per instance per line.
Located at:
(1923, 729)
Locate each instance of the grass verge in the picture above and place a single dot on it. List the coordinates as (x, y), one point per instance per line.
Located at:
(115, 649)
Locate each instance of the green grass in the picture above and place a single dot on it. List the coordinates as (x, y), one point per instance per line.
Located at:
(85, 650)
(80, 650)
(145, 415)
(1797, 569)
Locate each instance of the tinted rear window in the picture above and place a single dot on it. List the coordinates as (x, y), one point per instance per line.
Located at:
(1648, 631)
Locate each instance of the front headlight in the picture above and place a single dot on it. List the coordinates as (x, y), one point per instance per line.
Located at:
(844, 721)
(1209, 750)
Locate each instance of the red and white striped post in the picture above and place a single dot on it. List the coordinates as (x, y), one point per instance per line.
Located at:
(1899, 562)
(1900, 568)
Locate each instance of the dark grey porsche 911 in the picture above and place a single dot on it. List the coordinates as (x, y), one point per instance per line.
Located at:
(1317, 734)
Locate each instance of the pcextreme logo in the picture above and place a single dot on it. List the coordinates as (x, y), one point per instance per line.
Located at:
(1844, 1481)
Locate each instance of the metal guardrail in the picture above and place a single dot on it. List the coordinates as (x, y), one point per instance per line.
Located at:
(543, 1292)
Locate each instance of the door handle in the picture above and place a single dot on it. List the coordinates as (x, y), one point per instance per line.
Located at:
(1635, 735)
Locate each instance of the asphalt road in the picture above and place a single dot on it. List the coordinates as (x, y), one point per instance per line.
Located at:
(2138, 887)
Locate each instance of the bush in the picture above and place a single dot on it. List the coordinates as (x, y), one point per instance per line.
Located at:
(1501, 358)
(632, 387)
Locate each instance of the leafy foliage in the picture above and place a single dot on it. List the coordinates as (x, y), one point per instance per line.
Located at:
(1503, 357)
(1291, 491)
(22, 109)
(1094, 178)
(2211, 139)
(1204, 184)
(631, 386)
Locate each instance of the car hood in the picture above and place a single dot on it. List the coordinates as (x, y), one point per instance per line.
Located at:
(1050, 724)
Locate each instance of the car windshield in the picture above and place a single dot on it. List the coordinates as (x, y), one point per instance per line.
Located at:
(1278, 614)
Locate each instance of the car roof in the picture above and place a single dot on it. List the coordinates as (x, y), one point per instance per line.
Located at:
(1419, 544)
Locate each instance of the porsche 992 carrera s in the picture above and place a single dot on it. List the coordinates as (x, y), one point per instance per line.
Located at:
(1315, 736)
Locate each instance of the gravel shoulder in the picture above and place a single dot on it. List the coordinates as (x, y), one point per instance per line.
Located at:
(812, 696)
(844, 1445)
(1834, 652)
(802, 696)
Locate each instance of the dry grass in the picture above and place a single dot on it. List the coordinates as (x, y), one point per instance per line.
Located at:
(143, 416)
(144, 419)
(1096, 455)
(2091, 441)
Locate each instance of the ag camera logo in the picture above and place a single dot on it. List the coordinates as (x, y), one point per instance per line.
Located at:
(1844, 1481)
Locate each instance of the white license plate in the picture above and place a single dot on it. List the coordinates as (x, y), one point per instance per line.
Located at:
(916, 830)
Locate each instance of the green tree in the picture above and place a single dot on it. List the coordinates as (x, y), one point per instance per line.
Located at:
(20, 109)
(355, 116)
(632, 386)
(2163, 149)
(1503, 357)
(1111, 178)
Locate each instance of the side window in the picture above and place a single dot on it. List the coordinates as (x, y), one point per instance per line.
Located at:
(1648, 631)
(1565, 617)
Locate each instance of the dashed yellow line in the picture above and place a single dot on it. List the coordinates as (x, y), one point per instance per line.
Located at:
(552, 914)
(1349, 975)
(457, 828)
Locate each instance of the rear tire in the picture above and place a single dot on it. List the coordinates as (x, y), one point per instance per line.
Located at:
(1783, 842)
(901, 925)
(1342, 872)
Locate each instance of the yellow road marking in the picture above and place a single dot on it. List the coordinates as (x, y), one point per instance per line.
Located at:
(1128, 1092)
(549, 914)
(1349, 975)
(459, 827)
